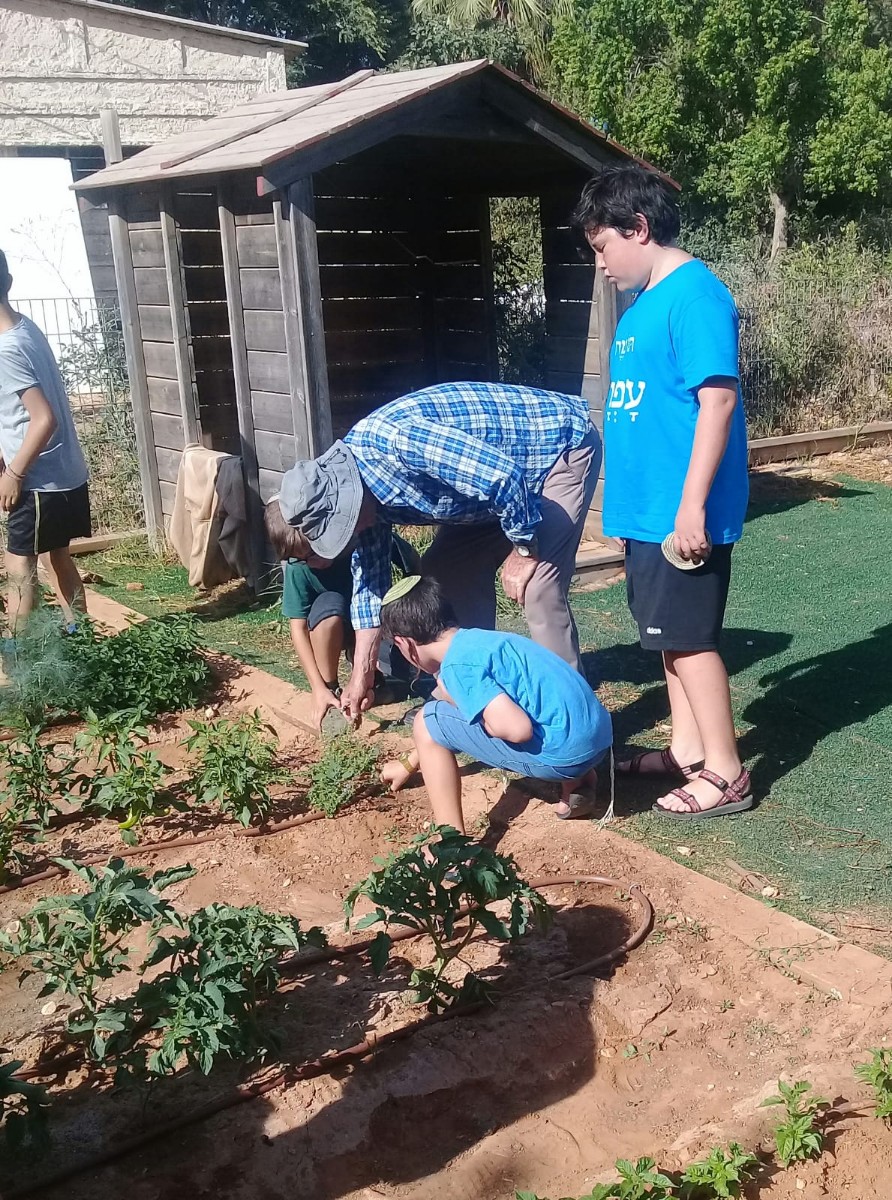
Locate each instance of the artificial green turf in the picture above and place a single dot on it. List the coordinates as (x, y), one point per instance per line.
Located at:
(809, 647)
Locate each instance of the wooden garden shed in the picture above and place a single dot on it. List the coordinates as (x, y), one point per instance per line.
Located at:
(292, 264)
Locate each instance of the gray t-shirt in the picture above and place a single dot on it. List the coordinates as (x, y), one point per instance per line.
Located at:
(26, 361)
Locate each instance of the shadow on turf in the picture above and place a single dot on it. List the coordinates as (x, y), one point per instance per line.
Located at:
(776, 491)
(806, 701)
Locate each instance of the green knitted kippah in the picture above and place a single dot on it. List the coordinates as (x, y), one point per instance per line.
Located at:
(401, 588)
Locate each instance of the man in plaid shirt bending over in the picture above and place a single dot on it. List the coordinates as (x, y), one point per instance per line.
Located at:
(508, 474)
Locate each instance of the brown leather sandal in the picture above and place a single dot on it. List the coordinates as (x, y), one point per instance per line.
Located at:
(736, 797)
(671, 765)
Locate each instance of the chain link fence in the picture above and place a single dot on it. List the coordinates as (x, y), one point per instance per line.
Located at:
(814, 353)
(85, 336)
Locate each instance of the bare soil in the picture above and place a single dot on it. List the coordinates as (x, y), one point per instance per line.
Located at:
(670, 1055)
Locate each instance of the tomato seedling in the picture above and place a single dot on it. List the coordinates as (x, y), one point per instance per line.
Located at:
(441, 880)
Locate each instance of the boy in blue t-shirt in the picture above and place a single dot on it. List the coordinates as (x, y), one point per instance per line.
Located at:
(505, 700)
(675, 472)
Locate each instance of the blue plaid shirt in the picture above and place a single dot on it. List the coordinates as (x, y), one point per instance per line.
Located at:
(456, 454)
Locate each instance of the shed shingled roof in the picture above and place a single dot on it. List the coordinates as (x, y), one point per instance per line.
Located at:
(257, 133)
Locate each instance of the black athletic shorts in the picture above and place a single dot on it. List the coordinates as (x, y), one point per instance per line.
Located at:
(44, 521)
(677, 610)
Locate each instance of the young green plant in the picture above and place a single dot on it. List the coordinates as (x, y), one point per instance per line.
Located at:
(346, 765)
(222, 964)
(36, 774)
(878, 1074)
(236, 763)
(78, 942)
(129, 778)
(721, 1174)
(442, 881)
(798, 1138)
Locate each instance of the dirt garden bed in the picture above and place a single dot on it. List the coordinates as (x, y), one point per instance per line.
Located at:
(667, 1056)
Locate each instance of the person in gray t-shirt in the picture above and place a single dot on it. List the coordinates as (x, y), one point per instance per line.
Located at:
(43, 485)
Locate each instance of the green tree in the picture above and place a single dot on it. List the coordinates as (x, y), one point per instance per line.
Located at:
(758, 106)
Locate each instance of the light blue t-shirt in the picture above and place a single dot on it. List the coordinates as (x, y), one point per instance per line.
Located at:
(676, 335)
(26, 361)
(571, 725)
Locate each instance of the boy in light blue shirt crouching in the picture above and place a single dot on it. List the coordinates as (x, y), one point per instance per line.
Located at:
(503, 699)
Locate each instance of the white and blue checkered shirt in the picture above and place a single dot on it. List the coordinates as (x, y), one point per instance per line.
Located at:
(456, 454)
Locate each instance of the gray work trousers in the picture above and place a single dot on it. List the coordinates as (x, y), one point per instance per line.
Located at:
(464, 559)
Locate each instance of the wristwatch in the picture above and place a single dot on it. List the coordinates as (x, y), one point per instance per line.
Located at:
(528, 549)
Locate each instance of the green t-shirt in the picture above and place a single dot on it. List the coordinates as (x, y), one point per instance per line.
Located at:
(302, 585)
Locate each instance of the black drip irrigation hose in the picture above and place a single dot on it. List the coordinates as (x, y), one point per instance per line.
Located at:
(177, 843)
(371, 1044)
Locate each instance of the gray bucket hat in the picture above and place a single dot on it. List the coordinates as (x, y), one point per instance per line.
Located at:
(321, 497)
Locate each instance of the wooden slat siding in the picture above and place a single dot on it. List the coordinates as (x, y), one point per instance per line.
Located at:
(139, 207)
(400, 312)
(168, 431)
(125, 276)
(211, 354)
(299, 259)
(208, 318)
(491, 345)
(150, 285)
(386, 345)
(395, 249)
(168, 496)
(204, 283)
(397, 214)
(572, 319)
(563, 244)
(146, 249)
(261, 218)
(164, 396)
(265, 330)
(272, 413)
(261, 289)
(275, 451)
(465, 346)
(454, 313)
(605, 295)
(257, 246)
(570, 283)
(201, 247)
(242, 386)
(581, 355)
(168, 464)
(155, 323)
(268, 372)
(365, 282)
(395, 378)
(159, 359)
(196, 210)
(185, 369)
(270, 483)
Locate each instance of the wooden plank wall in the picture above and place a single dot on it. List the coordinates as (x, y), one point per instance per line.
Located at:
(196, 214)
(156, 332)
(264, 321)
(404, 296)
(579, 320)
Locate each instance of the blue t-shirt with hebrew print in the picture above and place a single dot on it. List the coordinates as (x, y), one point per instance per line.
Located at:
(674, 337)
(570, 723)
